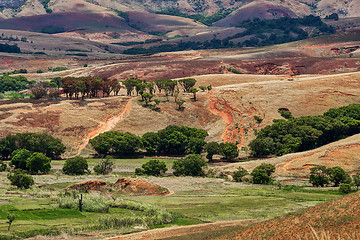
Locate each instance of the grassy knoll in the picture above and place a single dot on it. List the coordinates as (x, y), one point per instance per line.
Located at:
(193, 201)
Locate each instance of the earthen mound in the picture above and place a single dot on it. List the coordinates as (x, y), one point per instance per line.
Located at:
(93, 185)
(139, 187)
(131, 186)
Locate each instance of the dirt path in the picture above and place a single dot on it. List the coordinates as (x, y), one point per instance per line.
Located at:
(160, 233)
(104, 126)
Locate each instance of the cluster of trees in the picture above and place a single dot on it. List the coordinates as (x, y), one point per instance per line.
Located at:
(17, 83)
(34, 142)
(172, 140)
(304, 133)
(9, 48)
(321, 176)
(260, 174)
(191, 165)
(276, 31)
(266, 31)
(228, 150)
(34, 162)
(89, 86)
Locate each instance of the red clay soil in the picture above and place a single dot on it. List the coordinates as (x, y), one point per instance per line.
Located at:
(131, 186)
(337, 219)
(93, 185)
(136, 186)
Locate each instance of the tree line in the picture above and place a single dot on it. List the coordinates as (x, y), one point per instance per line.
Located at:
(304, 133)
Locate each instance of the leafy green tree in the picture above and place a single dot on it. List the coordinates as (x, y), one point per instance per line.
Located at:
(104, 167)
(130, 84)
(75, 166)
(239, 174)
(180, 103)
(150, 141)
(345, 188)
(187, 83)
(319, 176)
(20, 179)
(262, 174)
(229, 150)
(195, 145)
(194, 91)
(192, 165)
(147, 97)
(211, 148)
(356, 179)
(338, 175)
(20, 158)
(7, 146)
(10, 218)
(153, 167)
(38, 163)
(116, 143)
(203, 88)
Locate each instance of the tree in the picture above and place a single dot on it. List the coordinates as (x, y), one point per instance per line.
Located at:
(180, 103)
(229, 151)
(116, 143)
(262, 174)
(356, 179)
(20, 179)
(192, 165)
(203, 88)
(211, 148)
(38, 162)
(3, 166)
(147, 97)
(239, 174)
(10, 218)
(20, 158)
(75, 166)
(319, 176)
(150, 141)
(187, 83)
(104, 167)
(338, 175)
(194, 91)
(153, 167)
(195, 145)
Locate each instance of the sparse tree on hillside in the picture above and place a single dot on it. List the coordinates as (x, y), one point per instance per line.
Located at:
(147, 97)
(180, 103)
(194, 91)
(187, 83)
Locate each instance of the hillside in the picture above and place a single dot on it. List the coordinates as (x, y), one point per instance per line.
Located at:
(337, 219)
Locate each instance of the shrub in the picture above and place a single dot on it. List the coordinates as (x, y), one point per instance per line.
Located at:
(75, 166)
(104, 167)
(356, 179)
(239, 174)
(19, 158)
(152, 167)
(345, 188)
(3, 166)
(262, 174)
(319, 176)
(211, 148)
(20, 179)
(338, 175)
(190, 166)
(38, 162)
(229, 150)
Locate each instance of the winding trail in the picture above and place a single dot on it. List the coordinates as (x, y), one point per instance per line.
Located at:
(107, 125)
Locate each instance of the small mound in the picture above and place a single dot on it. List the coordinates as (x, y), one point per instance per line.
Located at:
(131, 186)
(139, 187)
(93, 185)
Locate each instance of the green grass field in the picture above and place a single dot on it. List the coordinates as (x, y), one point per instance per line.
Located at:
(194, 200)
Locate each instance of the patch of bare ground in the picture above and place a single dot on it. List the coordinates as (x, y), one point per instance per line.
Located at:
(337, 219)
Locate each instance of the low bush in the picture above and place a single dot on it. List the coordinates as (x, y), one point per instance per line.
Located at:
(345, 188)
(76, 166)
(153, 167)
(239, 174)
(262, 174)
(192, 165)
(20, 179)
(104, 167)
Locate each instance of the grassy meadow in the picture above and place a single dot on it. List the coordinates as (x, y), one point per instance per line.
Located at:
(193, 200)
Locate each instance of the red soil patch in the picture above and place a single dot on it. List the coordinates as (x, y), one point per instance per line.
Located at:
(37, 119)
(338, 219)
(93, 185)
(131, 186)
(139, 187)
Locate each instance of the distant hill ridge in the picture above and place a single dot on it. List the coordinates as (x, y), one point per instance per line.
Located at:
(251, 8)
